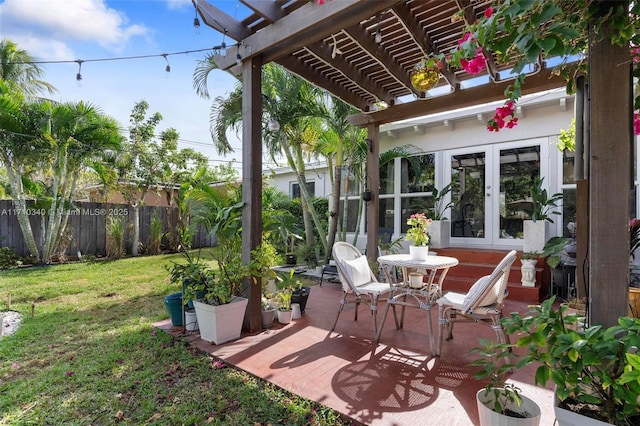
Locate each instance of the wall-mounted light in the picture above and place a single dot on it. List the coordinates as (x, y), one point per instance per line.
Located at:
(369, 143)
(367, 195)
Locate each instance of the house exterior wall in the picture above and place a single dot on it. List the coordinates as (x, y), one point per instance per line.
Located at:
(541, 118)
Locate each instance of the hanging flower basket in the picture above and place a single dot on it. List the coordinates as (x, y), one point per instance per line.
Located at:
(425, 74)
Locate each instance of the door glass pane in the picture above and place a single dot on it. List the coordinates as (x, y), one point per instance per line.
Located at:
(467, 195)
(518, 169)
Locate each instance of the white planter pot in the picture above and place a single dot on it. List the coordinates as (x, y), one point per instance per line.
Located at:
(488, 417)
(418, 252)
(570, 418)
(268, 315)
(284, 317)
(440, 233)
(191, 320)
(535, 235)
(222, 323)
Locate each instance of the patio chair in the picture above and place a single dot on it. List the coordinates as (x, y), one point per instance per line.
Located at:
(358, 280)
(482, 304)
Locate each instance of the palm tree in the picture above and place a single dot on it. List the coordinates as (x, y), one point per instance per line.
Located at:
(16, 65)
(289, 100)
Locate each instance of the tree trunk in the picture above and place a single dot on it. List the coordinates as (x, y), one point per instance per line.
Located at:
(334, 211)
(20, 205)
(136, 229)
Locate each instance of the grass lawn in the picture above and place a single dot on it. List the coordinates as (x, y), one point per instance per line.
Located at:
(90, 356)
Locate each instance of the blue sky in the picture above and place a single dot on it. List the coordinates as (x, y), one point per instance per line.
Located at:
(68, 30)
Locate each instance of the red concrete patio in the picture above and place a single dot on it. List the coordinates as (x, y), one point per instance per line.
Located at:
(394, 382)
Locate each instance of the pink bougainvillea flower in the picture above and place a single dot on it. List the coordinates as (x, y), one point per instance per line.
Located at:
(320, 1)
(636, 124)
(508, 111)
(15, 365)
(465, 37)
(70, 373)
(488, 12)
(475, 65)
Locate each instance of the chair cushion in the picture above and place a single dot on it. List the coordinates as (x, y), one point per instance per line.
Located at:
(477, 289)
(358, 270)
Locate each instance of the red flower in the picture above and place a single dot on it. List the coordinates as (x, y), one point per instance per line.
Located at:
(475, 65)
(636, 124)
(488, 12)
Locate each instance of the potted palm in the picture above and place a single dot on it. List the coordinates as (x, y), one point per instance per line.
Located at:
(596, 372)
(542, 207)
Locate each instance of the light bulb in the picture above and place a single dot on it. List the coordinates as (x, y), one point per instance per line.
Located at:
(378, 36)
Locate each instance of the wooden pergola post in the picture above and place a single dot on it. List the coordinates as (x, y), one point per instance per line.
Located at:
(252, 183)
(373, 182)
(609, 175)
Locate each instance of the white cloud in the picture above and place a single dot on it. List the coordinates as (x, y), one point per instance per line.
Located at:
(77, 20)
(178, 4)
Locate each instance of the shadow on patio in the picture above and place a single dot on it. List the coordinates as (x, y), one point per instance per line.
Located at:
(395, 382)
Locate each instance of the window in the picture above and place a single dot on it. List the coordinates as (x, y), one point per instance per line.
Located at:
(295, 189)
(418, 173)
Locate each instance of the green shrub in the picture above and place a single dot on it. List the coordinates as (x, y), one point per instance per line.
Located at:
(8, 258)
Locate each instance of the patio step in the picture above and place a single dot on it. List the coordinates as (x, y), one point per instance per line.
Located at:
(475, 263)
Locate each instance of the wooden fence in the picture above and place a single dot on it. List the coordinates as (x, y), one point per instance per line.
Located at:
(88, 227)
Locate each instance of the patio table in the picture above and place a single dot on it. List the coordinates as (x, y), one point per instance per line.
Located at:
(403, 294)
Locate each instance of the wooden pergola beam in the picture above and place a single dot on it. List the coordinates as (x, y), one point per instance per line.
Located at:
(422, 38)
(301, 27)
(543, 80)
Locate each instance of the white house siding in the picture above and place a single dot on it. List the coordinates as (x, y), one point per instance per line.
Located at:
(541, 119)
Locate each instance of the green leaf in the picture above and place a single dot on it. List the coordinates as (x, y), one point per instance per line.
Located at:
(573, 355)
(549, 11)
(547, 44)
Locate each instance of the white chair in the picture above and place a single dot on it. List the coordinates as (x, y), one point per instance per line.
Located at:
(482, 304)
(358, 280)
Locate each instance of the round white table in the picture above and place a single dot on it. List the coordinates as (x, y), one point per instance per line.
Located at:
(423, 297)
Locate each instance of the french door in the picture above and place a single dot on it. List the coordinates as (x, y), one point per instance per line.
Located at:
(490, 191)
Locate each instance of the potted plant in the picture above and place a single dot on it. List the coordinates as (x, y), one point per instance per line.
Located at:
(596, 372)
(284, 305)
(440, 229)
(299, 292)
(194, 277)
(221, 311)
(417, 232)
(501, 403)
(426, 73)
(542, 207)
(291, 257)
(268, 311)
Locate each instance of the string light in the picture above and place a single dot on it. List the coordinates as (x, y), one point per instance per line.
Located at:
(238, 57)
(223, 45)
(196, 21)
(79, 74)
(168, 67)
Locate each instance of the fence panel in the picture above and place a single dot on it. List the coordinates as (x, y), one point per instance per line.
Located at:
(87, 227)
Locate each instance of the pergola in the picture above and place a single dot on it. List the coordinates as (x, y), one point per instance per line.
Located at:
(362, 51)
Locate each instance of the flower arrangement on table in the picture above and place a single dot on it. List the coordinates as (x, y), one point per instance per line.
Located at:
(417, 232)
